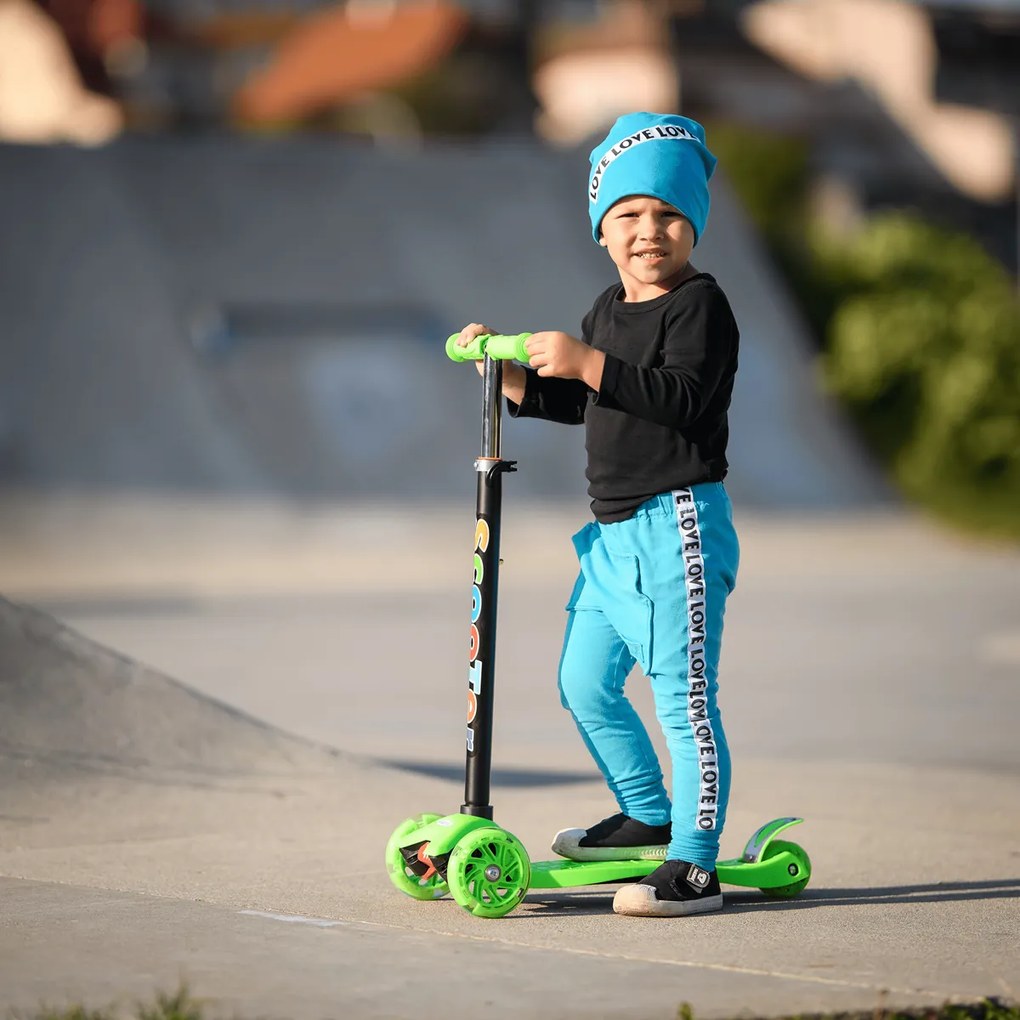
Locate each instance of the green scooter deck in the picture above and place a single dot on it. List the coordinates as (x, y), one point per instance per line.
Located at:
(759, 867)
(779, 869)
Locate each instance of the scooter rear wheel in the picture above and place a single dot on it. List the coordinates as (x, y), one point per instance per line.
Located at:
(489, 872)
(402, 875)
(802, 864)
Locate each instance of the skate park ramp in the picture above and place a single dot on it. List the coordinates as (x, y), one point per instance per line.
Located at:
(228, 316)
(71, 708)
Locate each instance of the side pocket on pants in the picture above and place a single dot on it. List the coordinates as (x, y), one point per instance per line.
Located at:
(630, 610)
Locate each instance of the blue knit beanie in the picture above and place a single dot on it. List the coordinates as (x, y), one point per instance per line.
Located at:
(658, 154)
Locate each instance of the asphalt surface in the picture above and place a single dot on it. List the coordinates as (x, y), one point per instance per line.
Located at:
(151, 833)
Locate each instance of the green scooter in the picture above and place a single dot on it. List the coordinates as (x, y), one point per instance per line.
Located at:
(485, 868)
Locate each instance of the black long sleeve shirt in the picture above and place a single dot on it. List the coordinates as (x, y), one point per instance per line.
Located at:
(659, 419)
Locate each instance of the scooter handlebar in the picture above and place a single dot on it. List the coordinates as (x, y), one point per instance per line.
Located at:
(500, 346)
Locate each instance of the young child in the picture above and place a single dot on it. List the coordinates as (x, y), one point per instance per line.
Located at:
(651, 379)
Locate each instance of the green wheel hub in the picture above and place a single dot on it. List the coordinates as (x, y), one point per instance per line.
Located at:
(402, 875)
(489, 872)
(802, 864)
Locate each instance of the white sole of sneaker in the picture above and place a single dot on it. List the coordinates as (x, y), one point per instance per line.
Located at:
(567, 842)
(640, 901)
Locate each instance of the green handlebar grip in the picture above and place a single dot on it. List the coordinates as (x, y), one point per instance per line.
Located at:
(501, 346)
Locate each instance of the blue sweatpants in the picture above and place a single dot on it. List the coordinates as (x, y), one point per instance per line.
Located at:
(652, 590)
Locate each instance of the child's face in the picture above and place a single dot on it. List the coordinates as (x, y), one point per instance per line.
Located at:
(650, 242)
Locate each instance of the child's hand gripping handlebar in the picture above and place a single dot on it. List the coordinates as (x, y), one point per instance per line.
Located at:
(497, 345)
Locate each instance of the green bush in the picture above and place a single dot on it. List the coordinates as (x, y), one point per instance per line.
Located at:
(771, 175)
(924, 347)
(918, 329)
(768, 171)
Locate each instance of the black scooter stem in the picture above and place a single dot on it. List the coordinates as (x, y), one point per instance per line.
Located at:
(489, 468)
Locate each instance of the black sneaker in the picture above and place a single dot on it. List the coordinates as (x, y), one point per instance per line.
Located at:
(673, 889)
(619, 838)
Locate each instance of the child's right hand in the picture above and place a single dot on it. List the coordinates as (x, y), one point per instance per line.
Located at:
(468, 333)
(514, 378)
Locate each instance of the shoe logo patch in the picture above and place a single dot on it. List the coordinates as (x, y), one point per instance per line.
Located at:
(698, 877)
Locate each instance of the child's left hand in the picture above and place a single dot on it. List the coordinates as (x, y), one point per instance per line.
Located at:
(558, 354)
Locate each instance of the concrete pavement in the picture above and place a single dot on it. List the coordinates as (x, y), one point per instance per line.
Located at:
(870, 686)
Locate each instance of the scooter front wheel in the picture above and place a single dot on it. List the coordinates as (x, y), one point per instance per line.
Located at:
(413, 877)
(801, 866)
(489, 872)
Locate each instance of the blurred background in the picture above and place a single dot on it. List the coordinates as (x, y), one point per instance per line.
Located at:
(234, 234)
(236, 231)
